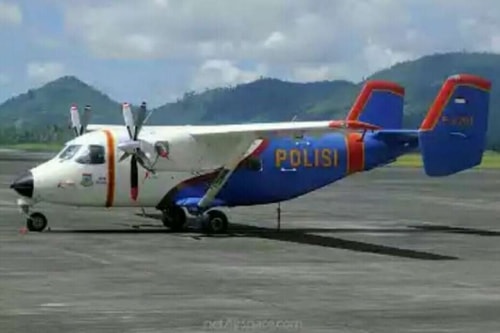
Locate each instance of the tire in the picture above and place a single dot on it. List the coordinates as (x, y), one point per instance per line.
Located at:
(216, 222)
(36, 222)
(174, 218)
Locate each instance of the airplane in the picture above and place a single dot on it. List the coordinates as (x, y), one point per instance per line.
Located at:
(192, 170)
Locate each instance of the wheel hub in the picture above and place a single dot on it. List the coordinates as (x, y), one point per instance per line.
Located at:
(216, 223)
(37, 222)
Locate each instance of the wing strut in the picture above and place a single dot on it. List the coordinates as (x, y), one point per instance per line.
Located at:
(217, 184)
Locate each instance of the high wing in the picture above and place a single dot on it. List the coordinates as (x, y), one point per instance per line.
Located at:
(261, 130)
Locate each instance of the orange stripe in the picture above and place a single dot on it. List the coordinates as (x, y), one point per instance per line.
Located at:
(110, 152)
(355, 149)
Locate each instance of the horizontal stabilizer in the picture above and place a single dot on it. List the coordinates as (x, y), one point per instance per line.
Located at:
(395, 136)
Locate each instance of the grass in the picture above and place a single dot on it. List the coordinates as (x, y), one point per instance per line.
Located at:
(491, 160)
(35, 147)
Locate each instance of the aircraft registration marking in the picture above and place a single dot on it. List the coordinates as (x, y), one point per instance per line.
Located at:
(307, 158)
(458, 120)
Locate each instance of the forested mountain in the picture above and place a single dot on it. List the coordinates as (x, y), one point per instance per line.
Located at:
(33, 115)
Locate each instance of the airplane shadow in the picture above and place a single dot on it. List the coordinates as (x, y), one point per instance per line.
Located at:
(306, 236)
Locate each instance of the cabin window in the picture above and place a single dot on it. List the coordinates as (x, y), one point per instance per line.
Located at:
(69, 151)
(251, 163)
(93, 154)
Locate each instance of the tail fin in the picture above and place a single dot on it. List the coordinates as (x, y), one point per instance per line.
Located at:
(379, 103)
(452, 136)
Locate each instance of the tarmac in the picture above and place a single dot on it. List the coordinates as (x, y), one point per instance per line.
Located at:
(391, 250)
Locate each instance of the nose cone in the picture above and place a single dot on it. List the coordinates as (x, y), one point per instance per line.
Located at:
(24, 185)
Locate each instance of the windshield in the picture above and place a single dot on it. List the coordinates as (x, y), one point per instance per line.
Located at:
(69, 151)
(92, 154)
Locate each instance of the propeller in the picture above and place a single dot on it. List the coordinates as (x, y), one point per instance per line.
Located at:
(134, 146)
(87, 112)
(75, 119)
(79, 126)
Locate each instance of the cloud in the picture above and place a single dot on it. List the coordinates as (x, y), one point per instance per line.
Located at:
(161, 48)
(218, 72)
(42, 72)
(10, 14)
(305, 39)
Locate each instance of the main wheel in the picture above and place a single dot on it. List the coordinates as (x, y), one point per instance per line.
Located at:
(174, 218)
(36, 222)
(216, 222)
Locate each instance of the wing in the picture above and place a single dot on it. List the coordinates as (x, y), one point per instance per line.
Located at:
(267, 130)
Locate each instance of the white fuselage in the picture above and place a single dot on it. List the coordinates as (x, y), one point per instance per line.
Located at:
(106, 182)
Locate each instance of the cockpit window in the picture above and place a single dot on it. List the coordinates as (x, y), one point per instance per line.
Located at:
(69, 151)
(92, 154)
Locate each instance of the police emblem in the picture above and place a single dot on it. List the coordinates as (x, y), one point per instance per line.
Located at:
(87, 180)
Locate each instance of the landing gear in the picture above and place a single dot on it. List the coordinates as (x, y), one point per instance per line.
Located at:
(174, 218)
(212, 221)
(36, 222)
(215, 222)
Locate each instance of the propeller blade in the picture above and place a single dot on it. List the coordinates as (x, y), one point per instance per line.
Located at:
(85, 118)
(123, 157)
(139, 120)
(128, 117)
(144, 161)
(75, 119)
(134, 178)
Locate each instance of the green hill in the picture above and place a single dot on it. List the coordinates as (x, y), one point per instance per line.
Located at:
(50, 104)
(32, 116)
(42, 114)
(262, 100)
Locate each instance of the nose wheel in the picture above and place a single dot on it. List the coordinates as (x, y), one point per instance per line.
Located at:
(36, 222)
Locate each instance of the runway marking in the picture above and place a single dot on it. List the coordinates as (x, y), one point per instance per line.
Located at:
(87, 256)
(53, 305)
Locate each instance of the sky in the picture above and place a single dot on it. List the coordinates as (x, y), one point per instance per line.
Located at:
(155, 50)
